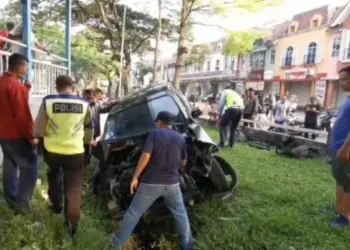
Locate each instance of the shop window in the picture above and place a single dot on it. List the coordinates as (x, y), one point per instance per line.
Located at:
(336, 47)
(288, 60)
(310, 58)
(232, 64)
(272, 56)
(217, 65)
(258, 59)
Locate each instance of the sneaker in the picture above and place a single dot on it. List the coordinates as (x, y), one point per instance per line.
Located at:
(340, 222)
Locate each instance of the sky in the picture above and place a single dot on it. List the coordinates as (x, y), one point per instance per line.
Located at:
(238, 21)
(233, 21)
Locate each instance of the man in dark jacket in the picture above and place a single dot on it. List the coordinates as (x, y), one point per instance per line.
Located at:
(311, 113)
(251, 107)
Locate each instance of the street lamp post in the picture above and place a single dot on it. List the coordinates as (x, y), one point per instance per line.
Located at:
(122, 56)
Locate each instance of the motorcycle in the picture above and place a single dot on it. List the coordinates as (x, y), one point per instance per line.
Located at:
(326, 119)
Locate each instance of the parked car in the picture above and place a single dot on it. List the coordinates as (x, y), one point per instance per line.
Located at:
(206, 175)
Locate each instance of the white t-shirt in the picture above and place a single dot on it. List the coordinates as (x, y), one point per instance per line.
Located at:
(281, 111)
(17, 31)
(262, 122)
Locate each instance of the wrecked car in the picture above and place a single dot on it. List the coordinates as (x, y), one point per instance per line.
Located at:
(206, 174)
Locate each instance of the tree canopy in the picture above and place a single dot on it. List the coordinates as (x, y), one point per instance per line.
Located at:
(241, 42)
(105, 18)
(88, 59)
(198, 53)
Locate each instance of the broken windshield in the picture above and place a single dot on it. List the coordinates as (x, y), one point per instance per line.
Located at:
(140, 118)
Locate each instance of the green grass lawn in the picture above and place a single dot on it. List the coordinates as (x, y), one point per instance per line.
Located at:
(276, 207)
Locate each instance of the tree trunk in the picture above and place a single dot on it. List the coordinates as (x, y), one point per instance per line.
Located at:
(154, 77)
(126, 84)
(182, 44)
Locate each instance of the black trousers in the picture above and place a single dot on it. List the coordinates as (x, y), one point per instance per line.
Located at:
(310, 126)
(231, 117)
(248, 117)
(100, 177)
(65, 179)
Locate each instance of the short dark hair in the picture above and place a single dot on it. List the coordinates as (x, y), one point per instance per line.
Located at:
(250, 89)
(88, 91)
(16, 60)
(63, 82)
(98, 91)
(346, 70)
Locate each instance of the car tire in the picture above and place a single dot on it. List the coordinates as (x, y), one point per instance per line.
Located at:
(218, 177)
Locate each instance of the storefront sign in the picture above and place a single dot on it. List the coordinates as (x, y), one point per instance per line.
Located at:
(320, 90)
(256, 85)
(268, 74)
(295, 74)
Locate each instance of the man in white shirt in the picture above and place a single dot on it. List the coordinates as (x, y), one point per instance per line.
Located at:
(281, 111)
(230, 112)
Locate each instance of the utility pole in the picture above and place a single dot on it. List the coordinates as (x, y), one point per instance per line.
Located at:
(159, 34)
(122, 56)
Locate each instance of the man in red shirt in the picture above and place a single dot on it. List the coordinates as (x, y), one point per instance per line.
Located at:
(17, 136)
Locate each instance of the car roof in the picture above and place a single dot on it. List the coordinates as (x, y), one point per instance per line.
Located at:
(141, 96)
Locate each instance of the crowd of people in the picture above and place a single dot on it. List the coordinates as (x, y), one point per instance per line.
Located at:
(272, 109)
(68, 128)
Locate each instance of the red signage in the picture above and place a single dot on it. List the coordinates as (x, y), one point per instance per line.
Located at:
(295, 75)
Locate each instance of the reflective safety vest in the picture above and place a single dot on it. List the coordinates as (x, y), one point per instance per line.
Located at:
(65, 125)
(233, 100)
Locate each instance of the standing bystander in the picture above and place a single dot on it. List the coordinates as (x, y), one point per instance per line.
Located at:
(16, 136)
(251, 107)
(64, 121)
(340, 152)
(96, 107)
(312, 111)
(281, 111)
(163, 155)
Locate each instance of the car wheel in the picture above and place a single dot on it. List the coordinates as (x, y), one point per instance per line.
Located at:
(218, 177)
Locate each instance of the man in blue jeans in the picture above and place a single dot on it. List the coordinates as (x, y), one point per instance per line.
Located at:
(163, 155)
(17, 136)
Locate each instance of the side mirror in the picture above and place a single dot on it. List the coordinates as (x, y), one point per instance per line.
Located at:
(196, 112)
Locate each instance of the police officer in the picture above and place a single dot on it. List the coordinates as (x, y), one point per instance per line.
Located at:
(230, 112)
(63, 122)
